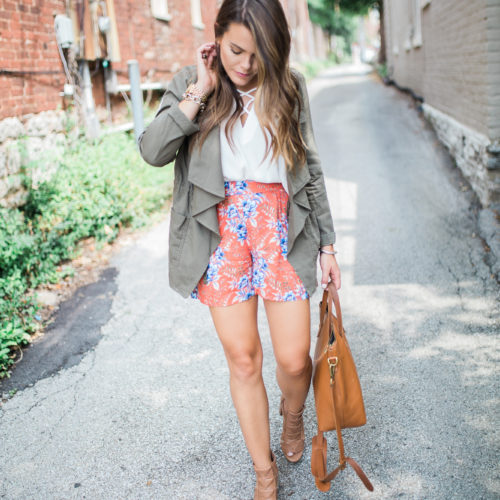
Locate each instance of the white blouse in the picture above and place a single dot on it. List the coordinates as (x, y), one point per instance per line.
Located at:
(249, 149)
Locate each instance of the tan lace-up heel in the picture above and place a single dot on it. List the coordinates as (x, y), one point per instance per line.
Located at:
(266, 487)
(292, 437)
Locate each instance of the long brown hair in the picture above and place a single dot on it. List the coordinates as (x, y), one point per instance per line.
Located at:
(277, 88)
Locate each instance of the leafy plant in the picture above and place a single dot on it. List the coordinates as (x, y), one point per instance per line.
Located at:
(312, 67)
(93, 190)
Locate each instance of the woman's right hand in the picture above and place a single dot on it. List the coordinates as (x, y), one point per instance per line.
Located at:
(205, 58)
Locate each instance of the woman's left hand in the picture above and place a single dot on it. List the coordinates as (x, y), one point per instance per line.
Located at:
(329, 270)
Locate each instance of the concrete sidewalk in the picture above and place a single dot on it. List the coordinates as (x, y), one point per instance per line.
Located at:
(147, 413)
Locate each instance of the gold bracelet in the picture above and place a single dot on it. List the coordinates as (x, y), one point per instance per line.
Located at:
(195, 94)
(194, 89)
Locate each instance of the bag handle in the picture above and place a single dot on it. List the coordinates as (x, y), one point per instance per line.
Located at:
(330, 295)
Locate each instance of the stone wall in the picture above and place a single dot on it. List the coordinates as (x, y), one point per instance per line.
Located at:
(25, 142)
(476, 156)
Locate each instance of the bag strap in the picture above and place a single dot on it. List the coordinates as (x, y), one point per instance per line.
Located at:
(330, 295)
(319, 445)
(319, 458)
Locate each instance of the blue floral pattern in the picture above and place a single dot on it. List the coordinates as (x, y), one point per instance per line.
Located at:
(251, 256)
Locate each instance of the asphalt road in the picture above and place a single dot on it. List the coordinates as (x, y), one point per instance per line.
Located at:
(144, 410)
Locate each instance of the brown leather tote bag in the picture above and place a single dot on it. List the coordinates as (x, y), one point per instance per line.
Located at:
(337, 391)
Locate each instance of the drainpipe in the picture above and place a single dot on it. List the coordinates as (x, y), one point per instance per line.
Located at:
(92, 126)
(136, 96)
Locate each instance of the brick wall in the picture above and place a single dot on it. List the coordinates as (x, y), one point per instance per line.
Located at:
(493, 48)
(456, 69)
(449, 69)
(161, 47)
(455, 45)
(300, 27)
(27, 43)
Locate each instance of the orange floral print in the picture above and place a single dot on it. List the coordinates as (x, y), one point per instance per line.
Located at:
(251, 256)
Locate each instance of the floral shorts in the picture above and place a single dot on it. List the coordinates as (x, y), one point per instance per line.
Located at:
(251, 256)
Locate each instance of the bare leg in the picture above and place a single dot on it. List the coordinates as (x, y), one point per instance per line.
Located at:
(236, 326)
(289, 323)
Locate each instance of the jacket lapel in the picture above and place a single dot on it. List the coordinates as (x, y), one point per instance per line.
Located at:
(205, 169)
(300, 208)
(205, 173)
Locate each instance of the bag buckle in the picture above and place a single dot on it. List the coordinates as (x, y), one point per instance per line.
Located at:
(332, 365)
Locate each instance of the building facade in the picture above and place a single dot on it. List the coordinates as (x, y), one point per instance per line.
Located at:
(448, 53)
(49, 47)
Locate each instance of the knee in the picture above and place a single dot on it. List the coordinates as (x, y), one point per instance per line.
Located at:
(295, 366)
(246, 366)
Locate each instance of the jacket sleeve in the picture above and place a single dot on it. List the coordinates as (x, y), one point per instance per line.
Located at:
(161, 140)
(316, 189)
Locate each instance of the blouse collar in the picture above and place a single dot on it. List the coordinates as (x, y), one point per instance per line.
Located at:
(251, 99)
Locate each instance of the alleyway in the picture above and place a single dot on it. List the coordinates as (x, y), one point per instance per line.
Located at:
(147, 413)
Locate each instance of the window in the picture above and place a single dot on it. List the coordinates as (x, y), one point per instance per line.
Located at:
(196, 15)
(159, 8)
(417, 23)
(393, 24)
(414, 27)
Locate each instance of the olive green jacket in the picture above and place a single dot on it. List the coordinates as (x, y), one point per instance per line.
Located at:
(199, 186)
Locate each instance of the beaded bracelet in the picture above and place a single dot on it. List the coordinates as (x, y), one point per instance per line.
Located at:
(195, 94)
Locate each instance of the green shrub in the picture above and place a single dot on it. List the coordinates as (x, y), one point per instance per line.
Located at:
(382, 70)
(312, 67)
(95, 189)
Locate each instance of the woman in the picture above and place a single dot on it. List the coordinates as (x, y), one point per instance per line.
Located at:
(249, 212)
